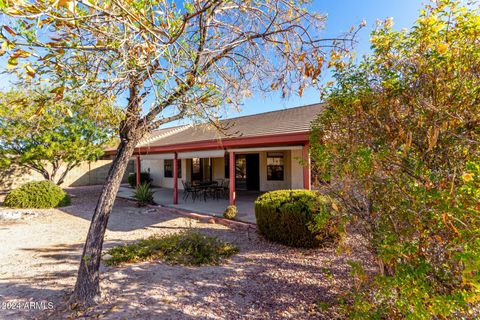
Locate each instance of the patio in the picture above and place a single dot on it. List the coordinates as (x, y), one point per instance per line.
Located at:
(164, 196)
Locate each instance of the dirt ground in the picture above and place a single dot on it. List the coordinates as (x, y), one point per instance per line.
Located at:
(39, 257)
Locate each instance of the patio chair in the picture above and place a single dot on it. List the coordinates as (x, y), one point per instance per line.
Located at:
(189, 190)
(216, 189)
(226, 187)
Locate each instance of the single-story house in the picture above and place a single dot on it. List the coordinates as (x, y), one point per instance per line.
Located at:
(261, 152)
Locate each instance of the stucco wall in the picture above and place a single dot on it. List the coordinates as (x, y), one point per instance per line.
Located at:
(87, 173)
(218, 168)
(157, 168)
(296, 169)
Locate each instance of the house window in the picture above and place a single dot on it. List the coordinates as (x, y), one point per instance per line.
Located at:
(168, 168)
(275, 166)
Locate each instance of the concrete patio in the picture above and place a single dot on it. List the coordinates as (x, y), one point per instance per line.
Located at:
(215, 207)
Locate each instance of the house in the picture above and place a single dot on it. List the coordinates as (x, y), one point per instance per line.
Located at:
(261, 152)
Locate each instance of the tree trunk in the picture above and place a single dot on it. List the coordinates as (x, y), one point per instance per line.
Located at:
(87, 287)
(69, 167)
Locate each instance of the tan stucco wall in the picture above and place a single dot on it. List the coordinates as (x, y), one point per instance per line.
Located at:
(87, 173)
(218, 168)
(156, 168)
(296, 169)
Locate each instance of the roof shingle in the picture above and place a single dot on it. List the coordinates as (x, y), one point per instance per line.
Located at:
(285, 121)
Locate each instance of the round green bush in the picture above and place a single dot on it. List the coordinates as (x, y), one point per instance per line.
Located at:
(298, 218)
(144, 178)
(37, 194)
(230, 212)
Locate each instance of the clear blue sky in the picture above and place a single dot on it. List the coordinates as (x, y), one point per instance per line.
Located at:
(341, 15)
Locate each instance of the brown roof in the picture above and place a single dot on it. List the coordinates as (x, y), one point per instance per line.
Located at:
(293, 120)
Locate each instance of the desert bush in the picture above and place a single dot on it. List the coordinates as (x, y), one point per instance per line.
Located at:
(231, 212)
(400, 141)
(37, 194)
(186, 248)
(144, 178)
(143, 194)
(298, 218)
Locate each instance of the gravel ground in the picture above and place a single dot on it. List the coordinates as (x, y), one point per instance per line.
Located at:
(39, 257)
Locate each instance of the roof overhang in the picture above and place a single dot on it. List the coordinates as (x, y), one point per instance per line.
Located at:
(296, 138)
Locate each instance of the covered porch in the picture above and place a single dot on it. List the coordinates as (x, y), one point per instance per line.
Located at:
(258, 169)
(242, 168)
(163, 196)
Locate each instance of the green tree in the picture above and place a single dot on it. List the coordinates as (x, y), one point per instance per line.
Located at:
(400, 143)
(170, 59)
(50, 136)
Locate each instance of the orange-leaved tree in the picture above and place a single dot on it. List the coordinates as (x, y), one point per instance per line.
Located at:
(399, 145)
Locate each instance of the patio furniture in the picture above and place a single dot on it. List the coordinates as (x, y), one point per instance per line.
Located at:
(189, 190)
(216, 189)
(226, 187)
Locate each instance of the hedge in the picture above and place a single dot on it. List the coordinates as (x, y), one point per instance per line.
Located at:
(37, 194)
(299, 218)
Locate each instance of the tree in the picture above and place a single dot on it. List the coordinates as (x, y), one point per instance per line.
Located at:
(170, 62)
(53, 137)
(400, 142)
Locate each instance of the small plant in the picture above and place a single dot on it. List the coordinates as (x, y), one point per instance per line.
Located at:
(186, 248)
(231, 212)
(144, 178)
(37, 194)
(143, 194)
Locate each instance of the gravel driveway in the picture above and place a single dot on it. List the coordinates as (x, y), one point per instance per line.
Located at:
(39, 258)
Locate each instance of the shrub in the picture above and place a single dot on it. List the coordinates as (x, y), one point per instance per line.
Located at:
(231, 212)
(186, 248)
(400, 139)
(144, 178)
(143, 194)
(37, 194)
(298, 218)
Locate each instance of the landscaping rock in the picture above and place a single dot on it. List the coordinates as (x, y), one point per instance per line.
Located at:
(17, 215)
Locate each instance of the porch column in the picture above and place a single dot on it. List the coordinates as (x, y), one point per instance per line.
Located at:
(307, 180)
(175, 179)
(232, 177)
(138, 169)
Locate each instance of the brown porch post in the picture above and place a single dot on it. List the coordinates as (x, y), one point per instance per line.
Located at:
(138, 167)
(307, 183)
(232, 177)
(175, 179)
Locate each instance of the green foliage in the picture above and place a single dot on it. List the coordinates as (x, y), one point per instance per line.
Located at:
(298, 218)
(37, 194)
(143, 194)
(144, 178)
(231, 212)
(400, 140)
(41, 133)
(186, 248)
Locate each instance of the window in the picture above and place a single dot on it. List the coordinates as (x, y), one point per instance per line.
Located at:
(275, 166)
(168, 168)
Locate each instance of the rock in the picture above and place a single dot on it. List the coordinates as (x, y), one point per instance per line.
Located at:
(107, 257)
(16, 215)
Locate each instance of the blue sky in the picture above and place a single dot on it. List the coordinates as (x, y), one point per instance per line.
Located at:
(341, 15)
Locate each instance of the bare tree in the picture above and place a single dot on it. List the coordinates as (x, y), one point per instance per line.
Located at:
(168, 62)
